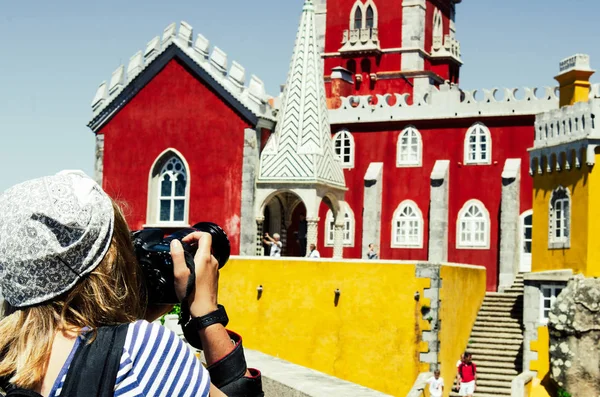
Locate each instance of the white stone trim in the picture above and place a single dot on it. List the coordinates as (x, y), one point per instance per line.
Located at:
(329, 242)
(476, 129)
(398, 216)
(485, 244)
(252, 99)
(358, 5)
(437, 30)
(447, 102)
(340, 135)
(371, 3)
(408, 163)
(152, 206)
(562, 242)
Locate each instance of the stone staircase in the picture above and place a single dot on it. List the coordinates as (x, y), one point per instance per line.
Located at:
(496, 341)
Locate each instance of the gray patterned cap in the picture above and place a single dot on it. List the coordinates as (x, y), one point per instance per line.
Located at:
(53, 231)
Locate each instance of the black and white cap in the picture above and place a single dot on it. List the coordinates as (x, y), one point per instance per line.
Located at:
(53, 231)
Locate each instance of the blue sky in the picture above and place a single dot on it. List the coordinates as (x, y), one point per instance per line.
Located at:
(54, 54)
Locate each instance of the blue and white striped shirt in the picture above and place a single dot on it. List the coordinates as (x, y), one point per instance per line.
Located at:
(155, 362)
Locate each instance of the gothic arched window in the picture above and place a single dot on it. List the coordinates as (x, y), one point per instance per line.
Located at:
(168, 195)
(559, 221)
(370, 21)
(358, 17)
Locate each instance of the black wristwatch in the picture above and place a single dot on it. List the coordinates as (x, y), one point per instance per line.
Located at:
(219, 316)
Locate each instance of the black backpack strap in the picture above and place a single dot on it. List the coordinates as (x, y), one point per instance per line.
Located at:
(93, 371)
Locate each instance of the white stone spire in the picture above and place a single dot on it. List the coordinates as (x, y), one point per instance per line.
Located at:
(301, 149)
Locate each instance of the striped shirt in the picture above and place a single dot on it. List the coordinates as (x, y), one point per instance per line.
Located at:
(155, 362)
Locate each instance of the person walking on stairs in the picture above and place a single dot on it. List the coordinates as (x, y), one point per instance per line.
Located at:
(436, 384)
(467, 375)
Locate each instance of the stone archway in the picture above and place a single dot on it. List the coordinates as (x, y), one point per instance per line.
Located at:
(280, 213)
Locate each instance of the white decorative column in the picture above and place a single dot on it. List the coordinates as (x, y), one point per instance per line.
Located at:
(259, 237)
(371, 232)
(509, 223)
(438, 212)
(249, 170)
(312, 232)
(99, 163)
(413, 45)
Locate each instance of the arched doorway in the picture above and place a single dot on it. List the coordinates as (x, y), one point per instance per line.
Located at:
(285, 214)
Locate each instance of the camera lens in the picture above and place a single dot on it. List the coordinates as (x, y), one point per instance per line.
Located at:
(221, 248)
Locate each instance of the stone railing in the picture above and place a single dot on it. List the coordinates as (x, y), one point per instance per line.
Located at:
(419, 385)
(447, 102)
(360, 40)
(521, 385)
(567, 124)
(232, 78)
(449, 49)
(566, 137)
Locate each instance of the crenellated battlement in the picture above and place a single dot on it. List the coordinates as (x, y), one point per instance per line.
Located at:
(447, 102)
(232, 78)
(568, 136)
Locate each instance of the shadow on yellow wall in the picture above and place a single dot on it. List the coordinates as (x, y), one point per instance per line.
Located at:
(370, 335)
(461, 296)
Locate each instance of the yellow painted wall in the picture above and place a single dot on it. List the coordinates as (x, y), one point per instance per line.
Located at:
(593, 259)
(576, 180)
(372, 337)
(461, 296)
(542, 364)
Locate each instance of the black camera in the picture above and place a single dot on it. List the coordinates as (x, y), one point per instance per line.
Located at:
(153, 252)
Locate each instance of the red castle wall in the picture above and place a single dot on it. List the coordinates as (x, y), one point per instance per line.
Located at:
(176, 110)
(510, 138)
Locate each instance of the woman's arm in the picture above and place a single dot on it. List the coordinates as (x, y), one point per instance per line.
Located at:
(217, 343)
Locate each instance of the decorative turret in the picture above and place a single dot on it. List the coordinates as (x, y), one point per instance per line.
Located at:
(301, 149)
(574, 79)
(298, 163)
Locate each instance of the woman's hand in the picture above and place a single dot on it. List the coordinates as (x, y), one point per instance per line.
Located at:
(203, 299)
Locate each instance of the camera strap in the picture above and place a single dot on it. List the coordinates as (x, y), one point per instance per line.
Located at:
(185, 315)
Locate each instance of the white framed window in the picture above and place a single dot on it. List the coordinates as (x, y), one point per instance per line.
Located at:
(559, 219)
(478, 145)
(438, 29)
(363, 16)
(348, 228)
(548, 295)
(473, 226)
(168, 191)
(343, 143)
(407, 226)
(356, 17)
(410, 148)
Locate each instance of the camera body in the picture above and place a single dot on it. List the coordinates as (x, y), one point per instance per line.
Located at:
(153, 252)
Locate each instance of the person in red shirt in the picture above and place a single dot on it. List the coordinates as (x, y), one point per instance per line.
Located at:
(467, 374)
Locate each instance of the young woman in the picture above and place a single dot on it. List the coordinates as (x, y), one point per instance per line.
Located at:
(67, 269)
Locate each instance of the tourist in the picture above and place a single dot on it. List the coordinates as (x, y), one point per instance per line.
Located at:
(302, 229)
(313, 252)
(372, 254)
(467, 376)
(436, 384)
(456, 379)
(274, 243)
(71, 281)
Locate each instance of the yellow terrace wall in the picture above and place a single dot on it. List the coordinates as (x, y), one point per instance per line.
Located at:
(372, 337)
(576, 180)
(593, 260)
(459, 284)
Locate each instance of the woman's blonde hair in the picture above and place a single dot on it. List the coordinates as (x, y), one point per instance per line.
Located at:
(110, 294)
